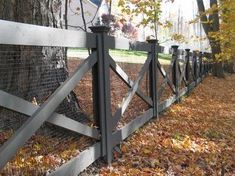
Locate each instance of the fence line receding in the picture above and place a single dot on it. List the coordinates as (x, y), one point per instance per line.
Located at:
(77, 109)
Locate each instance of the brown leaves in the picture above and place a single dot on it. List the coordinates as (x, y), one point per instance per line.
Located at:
(44, 153)
(194, 137)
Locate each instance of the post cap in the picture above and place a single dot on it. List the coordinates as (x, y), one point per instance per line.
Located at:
(152, 40)
(175, 46)
(187, 50)
(99, 29)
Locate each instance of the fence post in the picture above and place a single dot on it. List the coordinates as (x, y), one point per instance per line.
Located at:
(200, 65)
(204, 64)
(210, 63)
(187, 71)
(207, 64)
(102, 102)
(195, 67)
(175, 71)
(153, 76)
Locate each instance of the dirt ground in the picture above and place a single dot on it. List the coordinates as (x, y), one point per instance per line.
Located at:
(193, 137)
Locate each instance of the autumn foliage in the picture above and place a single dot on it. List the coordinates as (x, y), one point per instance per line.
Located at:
(225, 33)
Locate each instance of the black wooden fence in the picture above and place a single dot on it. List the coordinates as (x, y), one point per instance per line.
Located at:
(186, 70)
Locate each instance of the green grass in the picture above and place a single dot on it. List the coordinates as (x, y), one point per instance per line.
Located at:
(127, 53)
(138, 53)
(164, 56)
(129, 56)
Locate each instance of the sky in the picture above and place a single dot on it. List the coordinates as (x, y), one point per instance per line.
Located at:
(97, 2)
(188, 7)
(184, 11)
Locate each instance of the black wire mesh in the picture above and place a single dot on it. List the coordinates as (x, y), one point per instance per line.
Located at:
(48, 148)
(33, 74)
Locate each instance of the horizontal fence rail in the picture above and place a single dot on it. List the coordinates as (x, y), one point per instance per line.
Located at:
(20, 105)
(13, 33)
(185, 71)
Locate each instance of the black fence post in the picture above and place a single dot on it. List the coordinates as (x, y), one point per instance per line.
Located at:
(200, 64)
(195, 67)
(175, 71)
(207, 64)
(153, 76)
(187, 70)
(210, 63)
(102, 102)
(206, 55)
(204, 64)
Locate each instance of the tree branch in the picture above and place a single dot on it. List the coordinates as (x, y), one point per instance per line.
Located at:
(92, 20)
(66, 14)
(203, 17)
(83, 15)
(214, 17)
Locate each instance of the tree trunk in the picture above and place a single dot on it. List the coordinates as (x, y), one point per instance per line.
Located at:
(30, 72)
(212, 27)
(229, 66)
(218, 69)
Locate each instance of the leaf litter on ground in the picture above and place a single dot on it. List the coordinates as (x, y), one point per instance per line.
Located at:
(193, 137)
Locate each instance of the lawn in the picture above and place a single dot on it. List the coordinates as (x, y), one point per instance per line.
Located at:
(122, 56)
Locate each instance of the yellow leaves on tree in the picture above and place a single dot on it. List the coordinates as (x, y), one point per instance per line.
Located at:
(178, 37)
(149, 9)
(224, 36)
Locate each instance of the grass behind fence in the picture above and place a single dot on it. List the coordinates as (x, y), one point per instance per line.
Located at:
(123, 55)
